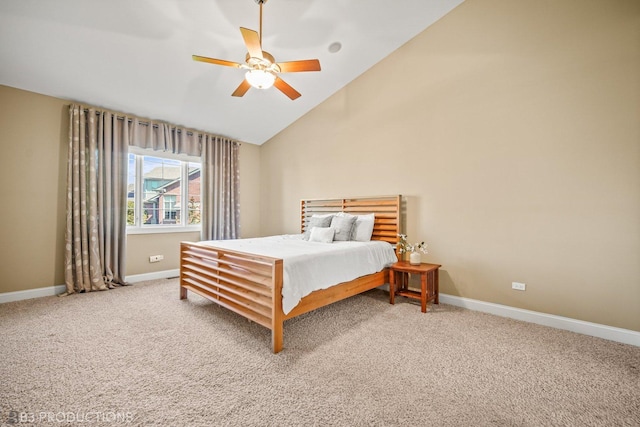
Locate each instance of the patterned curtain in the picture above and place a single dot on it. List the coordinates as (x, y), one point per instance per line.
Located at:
(95, 234)
(220, 189)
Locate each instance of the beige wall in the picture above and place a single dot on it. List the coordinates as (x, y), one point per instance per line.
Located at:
(33, 143)
(513, 131)
(33, 173)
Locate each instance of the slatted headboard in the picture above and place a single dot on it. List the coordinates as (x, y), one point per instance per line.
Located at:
(386, 210)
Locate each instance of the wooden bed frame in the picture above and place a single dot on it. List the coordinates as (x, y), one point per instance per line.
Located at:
(251, 285)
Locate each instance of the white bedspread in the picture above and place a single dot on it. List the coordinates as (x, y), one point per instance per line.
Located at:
(309, 266)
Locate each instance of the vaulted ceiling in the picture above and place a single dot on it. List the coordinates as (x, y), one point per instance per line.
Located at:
(135, 56)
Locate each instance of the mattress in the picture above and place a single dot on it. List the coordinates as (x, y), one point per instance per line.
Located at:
(309, 266)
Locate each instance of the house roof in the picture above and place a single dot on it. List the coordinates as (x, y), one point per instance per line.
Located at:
(160, 172)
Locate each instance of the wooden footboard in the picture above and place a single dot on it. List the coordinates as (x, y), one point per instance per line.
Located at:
(251, 285)
(244, 283)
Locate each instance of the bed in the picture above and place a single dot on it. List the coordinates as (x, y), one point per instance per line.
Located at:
(251, 284)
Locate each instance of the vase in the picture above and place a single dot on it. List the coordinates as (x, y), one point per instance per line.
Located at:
(414, 258)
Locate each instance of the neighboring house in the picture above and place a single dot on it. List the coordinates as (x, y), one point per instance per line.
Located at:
(161, 196)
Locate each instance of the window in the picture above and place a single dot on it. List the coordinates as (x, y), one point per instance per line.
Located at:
(163, 193)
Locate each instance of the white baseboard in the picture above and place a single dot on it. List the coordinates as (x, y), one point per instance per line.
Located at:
(152, 276)
(58, 289)
(624, 336)
(32, 293)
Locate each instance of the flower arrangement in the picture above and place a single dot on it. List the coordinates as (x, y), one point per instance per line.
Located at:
(404, 247)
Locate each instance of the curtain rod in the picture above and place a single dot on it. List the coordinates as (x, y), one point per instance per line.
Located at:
(146, 123)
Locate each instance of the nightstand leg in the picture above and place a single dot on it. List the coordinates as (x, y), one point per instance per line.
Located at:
(423, 293)
(392, 286)
(437, 286)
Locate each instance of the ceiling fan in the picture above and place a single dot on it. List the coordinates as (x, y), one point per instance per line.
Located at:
(262, 69)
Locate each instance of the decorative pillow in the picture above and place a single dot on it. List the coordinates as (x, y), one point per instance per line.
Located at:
(317, 221)
(321, 234)
(342, 225)
(363, 228)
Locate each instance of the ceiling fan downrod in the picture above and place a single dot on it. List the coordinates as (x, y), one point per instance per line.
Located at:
(260, 2)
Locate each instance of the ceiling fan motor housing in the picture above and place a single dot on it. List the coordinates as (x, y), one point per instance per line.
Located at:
(267, 62)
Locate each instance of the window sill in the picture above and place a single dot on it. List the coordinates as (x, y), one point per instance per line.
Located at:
(163, 230)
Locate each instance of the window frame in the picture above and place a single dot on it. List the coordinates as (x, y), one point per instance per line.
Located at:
(138, 227)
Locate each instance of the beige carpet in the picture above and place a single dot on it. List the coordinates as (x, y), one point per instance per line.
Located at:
(140, 356)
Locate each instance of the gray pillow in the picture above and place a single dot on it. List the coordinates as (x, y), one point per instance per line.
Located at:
(342, 226)
(322, 221)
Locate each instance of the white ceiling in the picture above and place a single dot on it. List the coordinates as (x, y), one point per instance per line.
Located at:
(134, 56)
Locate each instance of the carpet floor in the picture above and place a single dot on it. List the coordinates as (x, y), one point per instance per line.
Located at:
(138, 355)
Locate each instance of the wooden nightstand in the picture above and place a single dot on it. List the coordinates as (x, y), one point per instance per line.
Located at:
(399, 275)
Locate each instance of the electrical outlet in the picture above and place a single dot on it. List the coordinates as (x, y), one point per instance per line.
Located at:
(518, 286)
(156, 258)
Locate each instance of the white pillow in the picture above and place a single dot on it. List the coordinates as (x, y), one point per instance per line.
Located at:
(362, 228)
(321, 234)
(317, 221)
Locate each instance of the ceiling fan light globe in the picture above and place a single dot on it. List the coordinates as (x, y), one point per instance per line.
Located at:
(260, 79)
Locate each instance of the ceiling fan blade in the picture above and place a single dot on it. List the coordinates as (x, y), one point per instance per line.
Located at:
(252, 40)
(215, 61)
(297, 66)
(286, 89)
(242, 89)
